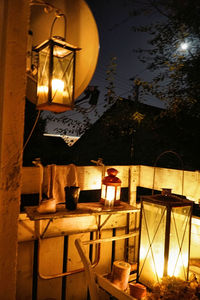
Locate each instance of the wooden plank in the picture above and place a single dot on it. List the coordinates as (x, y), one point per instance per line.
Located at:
(132, 218)
(164, 178)
(192, 185)
(114, 238)
(181, 182)
(112, 289)
(89, 177)
(120, 246)
(133, 243)
(104, 265)
(134, 181)
(67, 226)
(26, 229)
(136, 239)
(51, 262)
(83, 209)
(24, 270)
(70, 226)
(31, 181)
(75, 284)
(195, 238)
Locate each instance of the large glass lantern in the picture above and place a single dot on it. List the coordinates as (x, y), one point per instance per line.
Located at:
(56, 75)
(165, 228)
(111, 188)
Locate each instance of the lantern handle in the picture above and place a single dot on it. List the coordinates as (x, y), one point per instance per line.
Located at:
(157, 159)
(65, 24)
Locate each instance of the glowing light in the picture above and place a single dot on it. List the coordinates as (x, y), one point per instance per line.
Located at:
(164, 239)
(184, 46)
(176, 262)
(111, 188)
(57, 90)
(42, 92)
(155, 265)
(110, 193)
(181, 261)
(110, 196)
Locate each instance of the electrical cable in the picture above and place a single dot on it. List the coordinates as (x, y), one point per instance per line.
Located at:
(31, 132)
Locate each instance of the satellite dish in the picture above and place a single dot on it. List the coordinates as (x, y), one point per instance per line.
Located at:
(81, 31)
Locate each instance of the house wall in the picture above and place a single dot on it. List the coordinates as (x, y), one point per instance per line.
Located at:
(13, 34)
(63, 232)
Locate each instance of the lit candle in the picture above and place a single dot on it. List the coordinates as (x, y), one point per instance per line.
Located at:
(57, 90)
(110, 196)
(42, 93)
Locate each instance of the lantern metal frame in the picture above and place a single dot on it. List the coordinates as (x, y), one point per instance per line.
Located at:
(168, 202)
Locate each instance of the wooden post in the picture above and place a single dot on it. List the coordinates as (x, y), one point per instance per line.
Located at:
(133, 219)
(13, 34)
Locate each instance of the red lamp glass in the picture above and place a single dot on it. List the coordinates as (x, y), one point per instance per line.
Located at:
(111, 189)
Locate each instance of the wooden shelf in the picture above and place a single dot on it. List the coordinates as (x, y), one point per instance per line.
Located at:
(83, 209)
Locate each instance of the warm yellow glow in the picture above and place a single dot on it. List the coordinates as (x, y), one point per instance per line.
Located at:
(153, 264)
(57, 90)
(176, 262)
(159, 264)
(66, 94)
(103, 191)
(110, 196)
(42, 92)
(118, 193)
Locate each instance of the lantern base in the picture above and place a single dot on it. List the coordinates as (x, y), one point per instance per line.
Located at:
(116, 202)
(55, 107)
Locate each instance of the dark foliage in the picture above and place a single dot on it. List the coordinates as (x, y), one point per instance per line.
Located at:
(134, 133)
(176, 79)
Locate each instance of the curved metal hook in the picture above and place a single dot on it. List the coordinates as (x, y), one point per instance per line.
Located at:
(65, 24)
(157, 159)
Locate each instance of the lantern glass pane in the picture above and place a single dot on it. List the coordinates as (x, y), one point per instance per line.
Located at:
(63, 78)
(179, 242)
(152, 243)
(118, 192)
(103, 191)
(110, 194)
(43, 75)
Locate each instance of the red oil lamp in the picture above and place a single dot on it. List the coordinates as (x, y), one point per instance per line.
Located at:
(111, 189)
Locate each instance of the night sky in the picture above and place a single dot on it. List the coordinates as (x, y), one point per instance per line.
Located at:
(117, 39)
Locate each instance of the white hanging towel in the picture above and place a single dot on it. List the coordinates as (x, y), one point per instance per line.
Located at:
(58, 178)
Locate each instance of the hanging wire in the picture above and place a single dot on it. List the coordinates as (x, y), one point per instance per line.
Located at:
(157, 159)
(65, 24)
(31, 132)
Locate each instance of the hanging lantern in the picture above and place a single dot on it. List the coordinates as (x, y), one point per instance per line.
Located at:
(111, 189)
(56, 74)
(165, 228)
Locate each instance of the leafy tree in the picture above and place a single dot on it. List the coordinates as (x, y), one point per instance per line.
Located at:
(174, 50)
